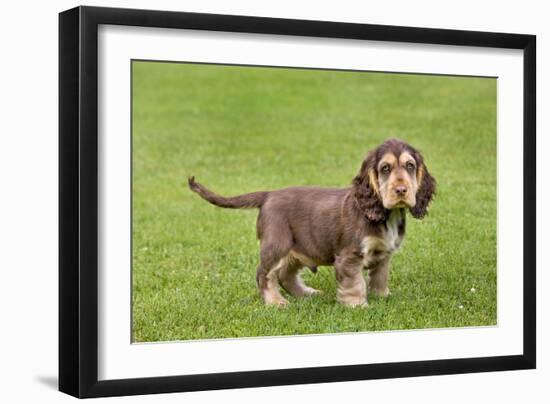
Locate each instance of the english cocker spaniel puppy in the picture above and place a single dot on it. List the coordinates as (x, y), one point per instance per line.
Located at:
(354, 229)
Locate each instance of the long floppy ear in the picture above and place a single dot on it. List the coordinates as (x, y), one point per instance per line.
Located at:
(426, 190)
(367, 194)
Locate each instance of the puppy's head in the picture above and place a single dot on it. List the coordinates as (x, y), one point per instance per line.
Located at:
(393, 176)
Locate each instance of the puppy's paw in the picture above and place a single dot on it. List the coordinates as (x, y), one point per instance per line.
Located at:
(385, 293)
(380, 292)
(278, 301)
(308, 291)
(354, 302)
(363, 305)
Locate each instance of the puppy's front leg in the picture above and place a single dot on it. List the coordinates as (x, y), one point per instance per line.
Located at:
(378, 278)
(352, 288)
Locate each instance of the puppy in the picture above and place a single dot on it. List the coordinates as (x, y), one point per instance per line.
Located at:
(354, 229)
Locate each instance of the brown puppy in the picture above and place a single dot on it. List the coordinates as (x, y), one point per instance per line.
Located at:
(354, 229)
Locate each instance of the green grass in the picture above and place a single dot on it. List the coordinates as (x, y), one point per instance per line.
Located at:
(242, 129)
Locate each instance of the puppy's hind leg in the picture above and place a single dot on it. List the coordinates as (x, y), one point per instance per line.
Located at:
(292, 282)
(268, 284)
(274, 255)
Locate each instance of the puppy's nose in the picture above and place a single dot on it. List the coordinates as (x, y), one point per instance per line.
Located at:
(400, 190)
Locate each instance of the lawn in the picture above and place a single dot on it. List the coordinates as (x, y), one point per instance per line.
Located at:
(242, 129)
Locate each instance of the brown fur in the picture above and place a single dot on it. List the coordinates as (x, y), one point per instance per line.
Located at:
(353, 228)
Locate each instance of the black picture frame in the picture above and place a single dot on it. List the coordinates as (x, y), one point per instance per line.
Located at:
(78, 201)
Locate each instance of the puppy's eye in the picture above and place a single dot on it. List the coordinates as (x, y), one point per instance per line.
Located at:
(410, 166)
(385, 169)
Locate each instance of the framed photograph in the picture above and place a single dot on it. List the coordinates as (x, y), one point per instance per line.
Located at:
(250, 201)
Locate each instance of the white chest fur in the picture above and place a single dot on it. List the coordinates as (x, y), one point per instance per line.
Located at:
(391, 232)
(379, 247)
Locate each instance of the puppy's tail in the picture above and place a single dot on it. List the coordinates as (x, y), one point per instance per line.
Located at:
(246, 201)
